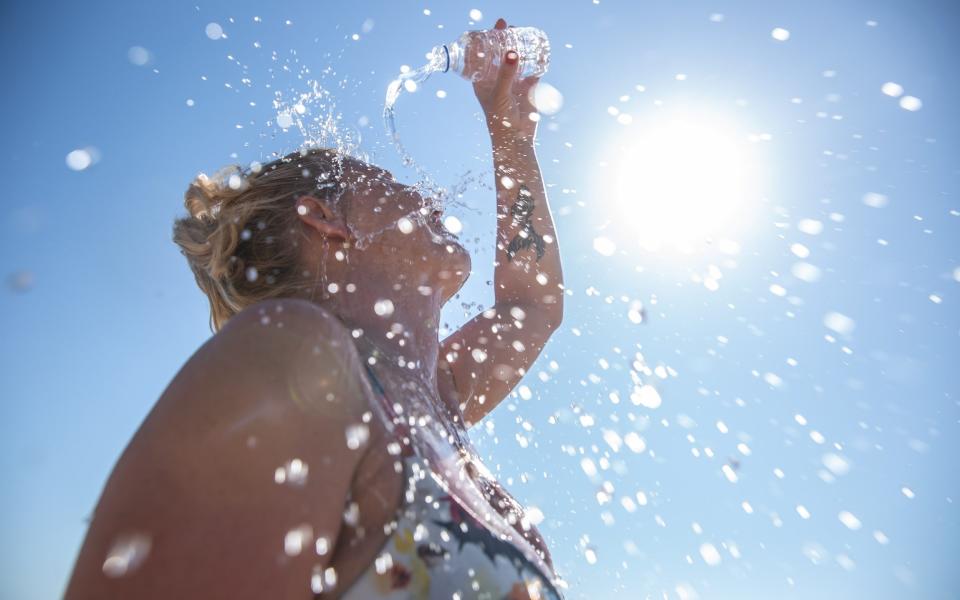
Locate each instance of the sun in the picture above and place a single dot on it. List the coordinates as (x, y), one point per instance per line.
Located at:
(684, 180)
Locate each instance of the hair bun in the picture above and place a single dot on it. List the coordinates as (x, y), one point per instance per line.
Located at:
(205, 195)
(201, 198)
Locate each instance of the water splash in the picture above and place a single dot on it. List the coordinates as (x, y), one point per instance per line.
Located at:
(410, 81)
(315, 115)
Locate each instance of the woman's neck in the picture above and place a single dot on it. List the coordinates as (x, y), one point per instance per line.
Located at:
(401, 334)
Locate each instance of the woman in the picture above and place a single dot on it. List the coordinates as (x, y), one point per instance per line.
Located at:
(316, 444)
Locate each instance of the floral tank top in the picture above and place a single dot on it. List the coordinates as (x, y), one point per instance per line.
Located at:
(438, 550)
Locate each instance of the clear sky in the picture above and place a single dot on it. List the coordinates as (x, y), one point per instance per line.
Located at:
(803, 345)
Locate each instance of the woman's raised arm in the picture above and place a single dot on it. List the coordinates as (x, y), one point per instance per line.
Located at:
(489, 355)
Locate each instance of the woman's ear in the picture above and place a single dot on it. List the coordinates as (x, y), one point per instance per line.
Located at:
(320, 216)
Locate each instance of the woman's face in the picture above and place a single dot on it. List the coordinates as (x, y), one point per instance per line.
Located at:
(402, 228)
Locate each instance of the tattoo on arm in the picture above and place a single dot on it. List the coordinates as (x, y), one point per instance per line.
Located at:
(522, 213)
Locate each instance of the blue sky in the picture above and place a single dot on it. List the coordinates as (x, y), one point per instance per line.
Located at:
(100, 310)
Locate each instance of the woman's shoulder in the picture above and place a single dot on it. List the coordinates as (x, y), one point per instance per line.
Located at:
(275, 314)
(293, 345)
(251, 435)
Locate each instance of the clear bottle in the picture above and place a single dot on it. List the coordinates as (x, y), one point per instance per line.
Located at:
(477, 54)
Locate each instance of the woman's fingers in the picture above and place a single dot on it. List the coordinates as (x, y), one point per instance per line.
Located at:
(506, 75)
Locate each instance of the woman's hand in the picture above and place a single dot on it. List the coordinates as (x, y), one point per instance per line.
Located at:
(508, 103)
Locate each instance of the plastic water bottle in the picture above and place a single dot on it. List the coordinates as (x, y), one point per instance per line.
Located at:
(475, 55)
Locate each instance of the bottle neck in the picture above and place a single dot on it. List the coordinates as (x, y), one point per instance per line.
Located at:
(452, 57)
(446, 55)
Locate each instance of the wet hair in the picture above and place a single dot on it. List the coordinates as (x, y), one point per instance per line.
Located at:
(242, 237)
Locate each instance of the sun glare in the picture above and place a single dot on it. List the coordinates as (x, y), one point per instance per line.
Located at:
(683, 181)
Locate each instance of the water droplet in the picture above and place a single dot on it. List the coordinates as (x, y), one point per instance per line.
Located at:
(80, 159)
(214, 31)
(236, 182)
(850, 520)
(452, 224)
(383, 308)
(475, 14)
(710, 554)
(911, 103)
(810, 226)
(357, 435)
(293, 472)
(780, 34)
(837, 464)
(804, 271)
(126, 554)
(635, 442)
(803, 512)
(647, 396)
(547, 99)
(875, 200)
(729, 473)
(839, 323)
(284, 120)
(405, 225)
(322, 546)
(138, 55)
(294, 540)
(478, 355)
(892, 89)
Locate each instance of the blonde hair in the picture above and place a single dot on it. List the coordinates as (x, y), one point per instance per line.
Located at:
(242, 238)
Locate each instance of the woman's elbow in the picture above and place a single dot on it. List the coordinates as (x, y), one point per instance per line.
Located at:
(553, 311)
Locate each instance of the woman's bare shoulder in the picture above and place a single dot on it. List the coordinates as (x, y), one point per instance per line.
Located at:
(284, 318)
(284, 342)
(247, 443)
